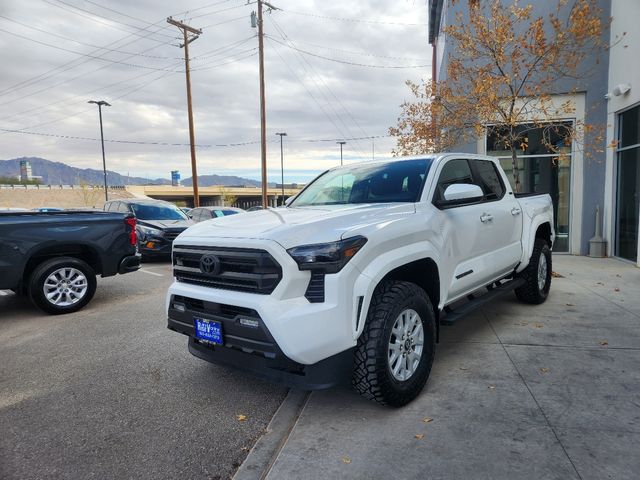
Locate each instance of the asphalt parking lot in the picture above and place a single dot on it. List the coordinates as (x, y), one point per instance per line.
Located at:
(109, 392)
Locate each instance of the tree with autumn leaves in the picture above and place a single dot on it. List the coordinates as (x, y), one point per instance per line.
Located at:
(502, 73)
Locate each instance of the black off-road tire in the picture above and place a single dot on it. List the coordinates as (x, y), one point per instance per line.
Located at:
(531, 292)
(45, 269)
(372, 376)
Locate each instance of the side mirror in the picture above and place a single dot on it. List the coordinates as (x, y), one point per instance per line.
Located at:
(462, 191)
(460, 194)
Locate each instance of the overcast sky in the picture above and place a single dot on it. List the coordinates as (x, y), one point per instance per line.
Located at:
(44, 87)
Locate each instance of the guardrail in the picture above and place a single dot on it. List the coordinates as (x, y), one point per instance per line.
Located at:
(60, 187)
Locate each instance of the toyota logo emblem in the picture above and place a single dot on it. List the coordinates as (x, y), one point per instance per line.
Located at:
(210, 265)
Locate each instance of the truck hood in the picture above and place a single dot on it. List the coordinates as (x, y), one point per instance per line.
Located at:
(165, 224)
(295, 226)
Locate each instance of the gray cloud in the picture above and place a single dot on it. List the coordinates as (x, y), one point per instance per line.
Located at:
(308, 97)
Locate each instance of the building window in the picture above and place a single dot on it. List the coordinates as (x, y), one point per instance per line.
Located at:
(544, 164)
(628, 184)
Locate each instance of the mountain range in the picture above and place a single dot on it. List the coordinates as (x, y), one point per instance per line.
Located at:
(56, 173)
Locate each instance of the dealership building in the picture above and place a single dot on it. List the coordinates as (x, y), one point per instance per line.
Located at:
(580, 184)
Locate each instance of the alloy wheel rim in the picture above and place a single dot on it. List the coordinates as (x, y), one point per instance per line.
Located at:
(65, 286)
(542, 272)
(406, 345)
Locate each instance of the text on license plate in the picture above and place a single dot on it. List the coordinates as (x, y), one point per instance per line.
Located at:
(208, 330)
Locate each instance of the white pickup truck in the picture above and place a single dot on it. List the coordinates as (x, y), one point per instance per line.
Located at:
(353, 278)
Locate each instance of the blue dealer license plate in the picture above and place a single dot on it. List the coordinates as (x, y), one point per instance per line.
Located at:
(208, 330)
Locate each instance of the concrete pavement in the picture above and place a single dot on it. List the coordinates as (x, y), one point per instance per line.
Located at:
(516, 392)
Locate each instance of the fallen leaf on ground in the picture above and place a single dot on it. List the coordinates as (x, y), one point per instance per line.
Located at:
(556, 275)
(604, 343)
(599, 283)
(419, 436)
(616, 289)
(538, 325)
(241, 418)
(427, 419)
(463, 368)
(346, 460)
(544, 370)
(570, 305)
(492, 387)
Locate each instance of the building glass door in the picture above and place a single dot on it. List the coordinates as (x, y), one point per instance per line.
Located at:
(544, 165)
(628, 185)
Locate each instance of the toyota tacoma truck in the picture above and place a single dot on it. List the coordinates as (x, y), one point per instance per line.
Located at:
(356, 275)
(54, 257)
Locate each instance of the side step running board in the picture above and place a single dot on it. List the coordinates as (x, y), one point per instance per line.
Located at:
(495, 290)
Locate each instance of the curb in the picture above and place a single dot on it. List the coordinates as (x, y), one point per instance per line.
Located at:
(264, 453)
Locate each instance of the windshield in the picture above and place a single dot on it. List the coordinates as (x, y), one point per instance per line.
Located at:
(399, 181)
(145, 211)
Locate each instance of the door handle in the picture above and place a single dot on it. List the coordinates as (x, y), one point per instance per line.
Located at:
(515, 211)
(485, 217)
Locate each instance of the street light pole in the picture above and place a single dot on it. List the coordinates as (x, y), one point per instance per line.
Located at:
(100, 104)
(282, 134)
(341, 144)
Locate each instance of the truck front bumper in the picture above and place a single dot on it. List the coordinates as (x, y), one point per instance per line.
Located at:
(252, 348)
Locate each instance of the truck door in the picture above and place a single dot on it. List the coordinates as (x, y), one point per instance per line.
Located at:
(467, 238)
(504, 214)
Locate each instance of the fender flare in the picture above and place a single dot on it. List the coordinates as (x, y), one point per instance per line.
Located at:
(375, 271)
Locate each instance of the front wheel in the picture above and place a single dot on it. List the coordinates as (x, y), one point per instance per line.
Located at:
(537, 275)
(62, 285)
(395, 352)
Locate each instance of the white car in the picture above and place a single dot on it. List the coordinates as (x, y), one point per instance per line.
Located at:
(354, 277)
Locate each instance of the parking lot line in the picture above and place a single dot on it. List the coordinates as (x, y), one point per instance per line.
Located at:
(151, 273)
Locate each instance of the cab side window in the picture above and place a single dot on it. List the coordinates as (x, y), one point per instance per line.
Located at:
(453, 172)
(489, 180)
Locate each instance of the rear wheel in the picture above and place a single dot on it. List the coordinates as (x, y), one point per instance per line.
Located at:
(62, 285)
(537, 275)
(395, 352)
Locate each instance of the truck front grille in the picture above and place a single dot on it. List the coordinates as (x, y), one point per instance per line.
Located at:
(240, 269)
(171, 234)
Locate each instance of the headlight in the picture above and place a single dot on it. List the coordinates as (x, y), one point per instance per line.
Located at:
(327, 257)
(149, 232)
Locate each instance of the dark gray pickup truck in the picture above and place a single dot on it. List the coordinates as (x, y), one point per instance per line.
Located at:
(54, 257)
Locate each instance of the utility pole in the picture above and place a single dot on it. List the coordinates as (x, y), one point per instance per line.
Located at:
(282, 134)
(101, 103)
(186, 29)
(263, 108)
(341, 144)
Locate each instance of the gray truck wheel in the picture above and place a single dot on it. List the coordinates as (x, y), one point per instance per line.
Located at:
(62, 285)
(395, 352)
(537, 275)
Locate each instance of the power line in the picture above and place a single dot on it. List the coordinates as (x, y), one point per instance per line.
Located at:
(170, 144)
(95, 57)
(184, 12)
(365, 54)
(70, 65)
(87, 44)
(355, 20)
(223, 10)
(91, 16)
(313, 97)
(169, 68)
(326, 86)
(253, 54)
(345, 62)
